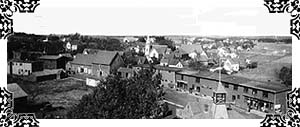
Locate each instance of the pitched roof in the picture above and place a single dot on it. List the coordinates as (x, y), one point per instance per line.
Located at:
(173, 61)
(104, 57)
(141, 59)
(17, 91)
(161, 49)
(97, 57)
(191, 48)
(84, 59)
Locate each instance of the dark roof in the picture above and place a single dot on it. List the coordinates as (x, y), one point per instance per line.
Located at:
(50, 57)
(84, 59)
(100, 57)
(105, 57)
(17, 91)
(267, 86)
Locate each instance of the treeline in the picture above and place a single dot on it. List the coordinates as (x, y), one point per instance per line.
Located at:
(274, 40)
(55, 44)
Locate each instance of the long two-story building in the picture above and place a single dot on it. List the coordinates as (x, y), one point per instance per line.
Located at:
(243, 92)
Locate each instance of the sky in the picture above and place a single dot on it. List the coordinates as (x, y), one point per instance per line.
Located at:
(153, 17)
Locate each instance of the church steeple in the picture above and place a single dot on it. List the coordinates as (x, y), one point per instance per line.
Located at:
(219, 99)
(220, 94)
(147, 46)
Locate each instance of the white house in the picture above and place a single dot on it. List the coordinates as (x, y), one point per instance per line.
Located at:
(231, 66)
(24, 68)
(71, 46)
(92, 82)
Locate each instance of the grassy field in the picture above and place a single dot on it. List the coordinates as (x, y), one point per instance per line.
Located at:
(271, 57)
(53, 99)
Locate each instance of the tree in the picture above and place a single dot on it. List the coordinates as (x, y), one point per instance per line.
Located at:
(117, 98)
(197, 65)
(141, 39)
(162, 41)
(129, 58)
(285, 75)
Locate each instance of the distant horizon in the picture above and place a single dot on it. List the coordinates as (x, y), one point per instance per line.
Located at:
(191, 35)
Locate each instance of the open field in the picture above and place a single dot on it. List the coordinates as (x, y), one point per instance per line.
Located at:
(271, 57)
(53, 99)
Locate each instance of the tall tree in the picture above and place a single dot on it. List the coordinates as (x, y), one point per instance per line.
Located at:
(117, 98)
(285, 75)
(197, 65)
(161, 40)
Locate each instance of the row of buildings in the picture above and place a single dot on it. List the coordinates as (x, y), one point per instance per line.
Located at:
(94, 65)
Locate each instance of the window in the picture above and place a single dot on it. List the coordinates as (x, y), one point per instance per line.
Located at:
(198, 89)
(265, 94)
(20, 64)
(226, 85)
(235, 87)
(245, 90)
(181, 77)
(193, 86)
(238, 96)
(100, 73)
(233, 97)
(254, 92)
(126, 75)
(197, 80)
